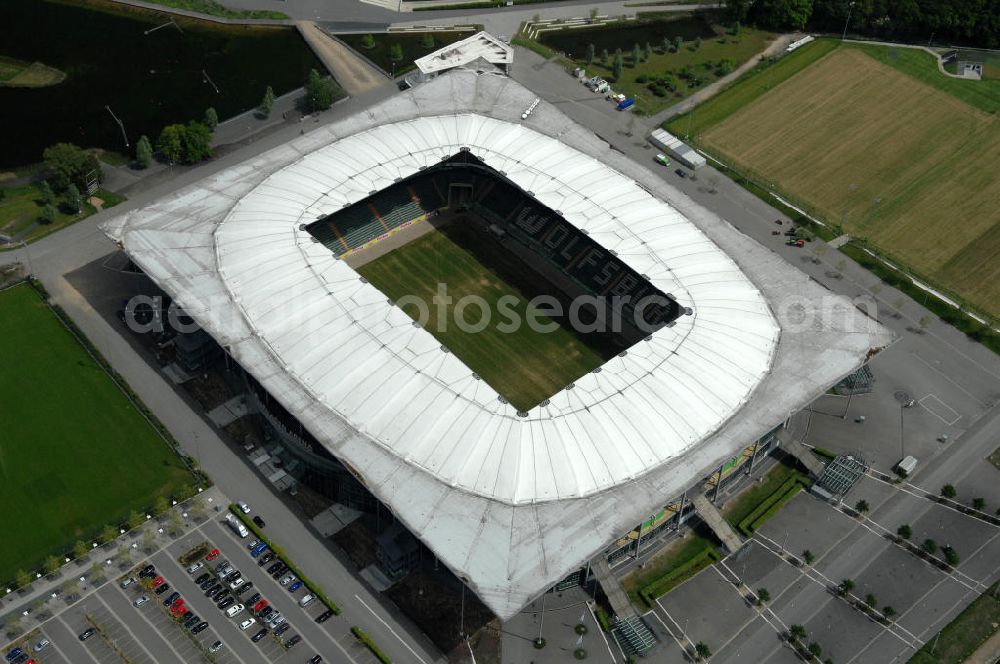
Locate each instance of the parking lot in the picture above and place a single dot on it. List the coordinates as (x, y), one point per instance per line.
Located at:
(148, 634)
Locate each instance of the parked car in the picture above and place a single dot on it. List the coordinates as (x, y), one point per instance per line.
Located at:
(162, 589)
(252, 543)
(208, 583)
(127, 582)
(232, 574)
(246, 624)
(278, 572)
(218, 594)
(287, 579)
(202, 578)
(226, 603)
(265, 612)
(259, 606)
(236, 583)
(192, 621)
(215, 647)
(257, 550)
(307, 600)
(259, 635)
(147, 571)
(243, 506)
(200, 627)
(212, 587)
(158, 581)
(265, 558)
(323, 617)
(680, 173)
(212, 555)
(170, 598)
(42, 645)
(223, 567)
(194, 568)
(282, 628)
(87, 633)
(259, 521)
(295, 586)
(14, 654)
(142, 599)
(275, 620)
(234, 610)
(184, 617)
(292, 641)
(274, 567)
(662, 159)
(253, 599)
(245, 587)
(315, 659)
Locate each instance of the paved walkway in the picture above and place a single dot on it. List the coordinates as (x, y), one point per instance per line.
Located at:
(710, 514)
(354, 73)
(937, 56)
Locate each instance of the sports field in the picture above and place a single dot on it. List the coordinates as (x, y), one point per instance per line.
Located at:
(525, 366)
(75, 455)
(877, 140)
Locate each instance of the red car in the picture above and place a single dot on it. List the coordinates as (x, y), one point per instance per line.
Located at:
(212, 555)
(157, 582)
(259, 606)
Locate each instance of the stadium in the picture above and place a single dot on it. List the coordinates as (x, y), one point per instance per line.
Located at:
(516, 458)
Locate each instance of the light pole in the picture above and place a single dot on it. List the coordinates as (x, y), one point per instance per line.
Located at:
(120, 125)
(849, 8)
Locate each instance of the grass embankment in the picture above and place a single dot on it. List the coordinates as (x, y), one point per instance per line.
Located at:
(677, 563)
(76, 453)
(760, 501)
(906, 153)
(526, 365)
(963, 635)
(212, 8)
(412, 45)
(21, 207)
(19, 74)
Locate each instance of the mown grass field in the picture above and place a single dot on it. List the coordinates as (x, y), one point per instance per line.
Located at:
(877, 140)
(960, 638)
(525, 366)
(75, 455)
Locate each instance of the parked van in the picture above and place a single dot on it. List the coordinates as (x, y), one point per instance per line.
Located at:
(237, 525)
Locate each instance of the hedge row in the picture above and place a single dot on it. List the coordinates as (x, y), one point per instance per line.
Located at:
(769, 506)
(368, 643)
(824, 453)
(677, 575)
(602, 619)
(280, 553)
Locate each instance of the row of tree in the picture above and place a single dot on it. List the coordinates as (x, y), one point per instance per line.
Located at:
(969, 22)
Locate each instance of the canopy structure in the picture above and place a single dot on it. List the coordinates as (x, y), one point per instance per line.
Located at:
(465, 51)
(510, 502)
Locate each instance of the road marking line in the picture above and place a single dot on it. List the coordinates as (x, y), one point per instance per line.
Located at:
(54, 645)
(603, 636)
(391, 630)
(132, 636)
(669, 631)
(72, 633)
(142, 615)
(935, 414)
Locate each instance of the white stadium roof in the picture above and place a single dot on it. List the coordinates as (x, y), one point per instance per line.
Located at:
(510, 503)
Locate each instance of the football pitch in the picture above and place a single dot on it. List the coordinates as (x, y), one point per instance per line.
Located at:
(877, 140)
(524, 365)
(75, 454)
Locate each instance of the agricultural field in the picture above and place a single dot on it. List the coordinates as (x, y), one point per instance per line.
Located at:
(525, 366)
(707, 51)
(906, 158)
(75, 454)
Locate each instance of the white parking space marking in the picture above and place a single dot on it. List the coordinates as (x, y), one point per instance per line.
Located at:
(73, 634)
(142, 615)
(128, 632)
(939, 409)
(391, 630)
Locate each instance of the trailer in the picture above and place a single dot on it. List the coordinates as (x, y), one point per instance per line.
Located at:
(626, 104)
(682, 152)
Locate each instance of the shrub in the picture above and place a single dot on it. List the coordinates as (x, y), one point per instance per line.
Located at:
(368, 643)
(602, 619)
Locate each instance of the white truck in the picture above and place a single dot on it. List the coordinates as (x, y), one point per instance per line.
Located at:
(237, 525)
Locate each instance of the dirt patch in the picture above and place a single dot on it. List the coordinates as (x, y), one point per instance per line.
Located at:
(98, 203)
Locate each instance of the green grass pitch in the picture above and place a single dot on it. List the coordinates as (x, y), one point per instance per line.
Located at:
(75, 454)
(524, 366)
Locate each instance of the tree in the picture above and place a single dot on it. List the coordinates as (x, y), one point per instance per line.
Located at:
(160, 505)
(80, 549)
(45, 193)
(846, 586)
(783, 13)
(196, 142)
(589, 54)
(395, 52)
(808, 556)
(22, 579)
(175, 523)
(636, 55)
(815, 649)
(948, 491)
(197, 508)
(862, 507)
(427, 41)
(904, 531)
(678, 43)
(704, 652)
(978, 504)
(134, 520)
(96, 574)
(604, 57)
(144, 152)
(665, 44)
(593, 14)
(951, 556)
(888, 612)
(617, 65)
(49, 214)
(67, 163)
(646, 52)
(930, 546)
(320, 91)
(109, 534)
(763, 596)
(737, 28)
(211, 118)
(923, 323)
(697, 43)
(12, 624)
(73, 199)
(871, 600)
(797, 632)
(148, 539)
(70, 588)
(267, 103)
(169, 143)
(368, 41)
(51, 565)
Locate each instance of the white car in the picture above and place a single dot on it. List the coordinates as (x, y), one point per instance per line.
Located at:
(234, 610)
(127, 582)
(274, 620)
(252, 543)
(142, 600)
(216, 647)
(237, 582)
(307, 600)
(246, 624)
(194, 568)
(42, 645)
(288, 578)
(243, 506)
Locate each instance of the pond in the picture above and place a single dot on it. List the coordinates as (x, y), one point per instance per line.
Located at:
(147, 80)
(626, 35)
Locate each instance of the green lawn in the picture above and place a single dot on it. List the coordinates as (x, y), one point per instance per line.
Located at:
(412, 44)
(20, 207)
(666, 561)
(744, 504)
(75, 454)
(964, 634)
(524, 366)
(213, 8)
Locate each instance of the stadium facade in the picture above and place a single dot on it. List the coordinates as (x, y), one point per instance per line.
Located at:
(510, 501)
